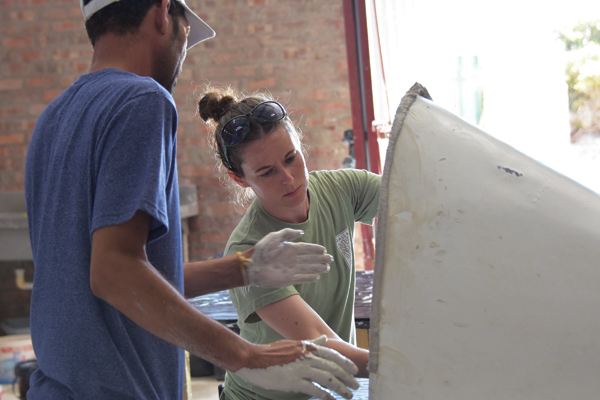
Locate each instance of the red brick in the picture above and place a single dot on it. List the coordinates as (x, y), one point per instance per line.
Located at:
(15, 69)
(236, 42)
(223, 58)
(79, 66)
(320, 95)
(341, 66)
(306, 109)
(50, 95)
(303, 81)
(19, 150)
(217, 72)
(81, 40)
(245, 70)
(327, 108)
(11, 111)
(207, 196)
(75, 12)
(67, 80)
(61, 54)
(42, 82)
(224, 196)
(12, 138)
(208, 181)
(29, 3)
(22, 16)
(35, 29)
(310, 34)
(36, 109)
(314, 122)
(57, 13)
(261, 83)
(14, 164)
(186, 74)
(22, 96)
(259, 28)
(274, 13)
(11, 84)
(226, 4)
(268, 69)
(73, 41)
(187, 170)
(17, 43)
(197, 142)
(67, 26)
(29, 56)
(11, 187)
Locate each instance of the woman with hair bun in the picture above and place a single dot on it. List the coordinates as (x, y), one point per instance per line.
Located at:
(260, 158)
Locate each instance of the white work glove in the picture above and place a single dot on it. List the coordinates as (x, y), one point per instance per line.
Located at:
(324, 366)
(276, 262)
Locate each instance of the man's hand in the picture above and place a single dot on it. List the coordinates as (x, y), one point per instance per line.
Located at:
(316, 364)
(276, 262)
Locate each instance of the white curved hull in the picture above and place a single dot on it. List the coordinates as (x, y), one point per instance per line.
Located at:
(487, 277)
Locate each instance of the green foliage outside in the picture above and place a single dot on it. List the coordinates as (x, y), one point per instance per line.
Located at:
(582, 43)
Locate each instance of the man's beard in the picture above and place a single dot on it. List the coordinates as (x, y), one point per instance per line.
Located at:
(170, 77)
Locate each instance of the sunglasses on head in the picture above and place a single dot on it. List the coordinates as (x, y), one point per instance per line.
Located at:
(237, 128)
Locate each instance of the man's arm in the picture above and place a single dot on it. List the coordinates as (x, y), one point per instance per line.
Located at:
(294, 319)
(121, 275)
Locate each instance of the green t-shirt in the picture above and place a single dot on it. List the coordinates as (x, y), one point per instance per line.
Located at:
(338, 199)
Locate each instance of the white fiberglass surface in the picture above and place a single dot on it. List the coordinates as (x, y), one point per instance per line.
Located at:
(487, 279)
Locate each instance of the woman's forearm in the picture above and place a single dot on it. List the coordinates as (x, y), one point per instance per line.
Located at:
(294, 319)
(211, 276)
(356, 354)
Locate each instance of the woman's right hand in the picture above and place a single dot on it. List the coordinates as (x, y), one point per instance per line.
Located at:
(295, 366)
(277, 262)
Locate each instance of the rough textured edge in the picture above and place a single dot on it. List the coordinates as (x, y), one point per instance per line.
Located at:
(407, 101)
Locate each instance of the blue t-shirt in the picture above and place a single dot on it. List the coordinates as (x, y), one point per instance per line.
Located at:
(102, 150)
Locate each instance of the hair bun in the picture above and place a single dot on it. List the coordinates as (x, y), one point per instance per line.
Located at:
(214, 104)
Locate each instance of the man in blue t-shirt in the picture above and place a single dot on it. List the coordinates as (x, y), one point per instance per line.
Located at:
(108, 317)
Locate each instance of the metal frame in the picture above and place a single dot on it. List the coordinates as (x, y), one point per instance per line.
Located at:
(366, 148)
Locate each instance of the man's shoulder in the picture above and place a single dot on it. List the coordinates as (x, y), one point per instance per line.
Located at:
(116, 87)
(128, 84)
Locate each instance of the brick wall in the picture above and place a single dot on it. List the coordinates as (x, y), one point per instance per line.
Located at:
(42, 51)
(295, 48)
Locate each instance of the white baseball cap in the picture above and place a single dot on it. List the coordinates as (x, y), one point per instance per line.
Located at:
(199, 30)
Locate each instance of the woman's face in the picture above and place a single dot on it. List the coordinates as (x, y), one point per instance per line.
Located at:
(275, 169)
